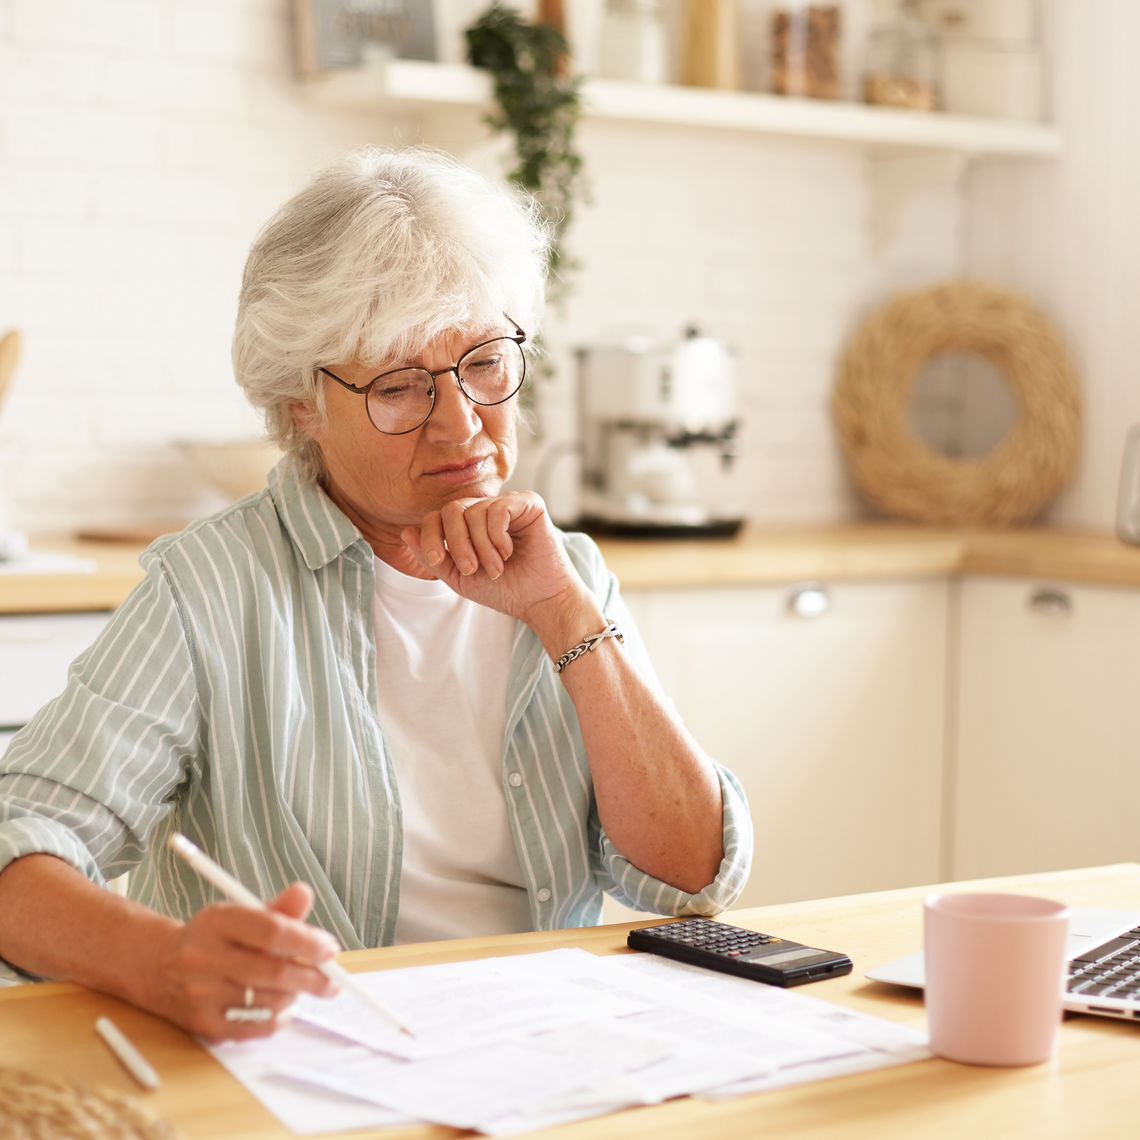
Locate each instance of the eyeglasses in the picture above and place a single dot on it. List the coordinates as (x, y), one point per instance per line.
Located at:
(400, 401)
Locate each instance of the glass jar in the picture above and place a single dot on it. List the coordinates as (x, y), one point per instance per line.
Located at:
(803, 50)
(633, 41)
(901, 64)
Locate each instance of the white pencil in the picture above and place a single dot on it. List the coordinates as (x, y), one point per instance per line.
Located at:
(233, 890)
(133, 1061)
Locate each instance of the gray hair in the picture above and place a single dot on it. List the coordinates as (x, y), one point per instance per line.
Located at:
(380, 254)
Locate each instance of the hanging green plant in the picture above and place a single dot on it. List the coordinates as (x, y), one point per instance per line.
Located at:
(537, 101)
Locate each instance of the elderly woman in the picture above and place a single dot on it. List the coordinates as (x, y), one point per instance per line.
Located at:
(384, 689)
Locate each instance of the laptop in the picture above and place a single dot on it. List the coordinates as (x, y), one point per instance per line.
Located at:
(1104, 964)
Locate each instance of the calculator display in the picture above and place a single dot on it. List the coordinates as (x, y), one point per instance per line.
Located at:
(783, 956)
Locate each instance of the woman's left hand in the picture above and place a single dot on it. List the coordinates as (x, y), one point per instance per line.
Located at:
(500, 552)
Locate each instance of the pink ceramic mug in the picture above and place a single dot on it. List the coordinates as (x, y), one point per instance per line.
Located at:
(995, 970)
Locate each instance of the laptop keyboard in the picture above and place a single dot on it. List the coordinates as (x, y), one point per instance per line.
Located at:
(1109, 970)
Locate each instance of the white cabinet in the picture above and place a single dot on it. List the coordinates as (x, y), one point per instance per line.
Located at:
(833, 722)
(1046, 771)
(35, 651)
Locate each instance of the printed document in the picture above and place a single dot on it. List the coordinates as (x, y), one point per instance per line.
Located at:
(512, 1044)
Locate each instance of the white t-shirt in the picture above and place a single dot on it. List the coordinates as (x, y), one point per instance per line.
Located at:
(442, 664)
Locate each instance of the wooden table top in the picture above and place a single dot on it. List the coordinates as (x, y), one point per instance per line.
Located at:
(758, 556)
(1087, 1090)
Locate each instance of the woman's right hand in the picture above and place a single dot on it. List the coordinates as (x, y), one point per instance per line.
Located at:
(206, 965)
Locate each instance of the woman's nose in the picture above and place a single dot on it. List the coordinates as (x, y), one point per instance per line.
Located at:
(454, 416)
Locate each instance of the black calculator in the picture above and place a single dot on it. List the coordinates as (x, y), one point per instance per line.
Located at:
(733, 950)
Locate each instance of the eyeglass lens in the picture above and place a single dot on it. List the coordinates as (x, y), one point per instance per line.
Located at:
(490, 373)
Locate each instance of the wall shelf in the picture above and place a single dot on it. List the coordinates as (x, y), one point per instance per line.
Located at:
(425, 89)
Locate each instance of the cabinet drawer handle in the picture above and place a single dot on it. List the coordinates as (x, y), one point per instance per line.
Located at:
(809, 601)
(1054, 603)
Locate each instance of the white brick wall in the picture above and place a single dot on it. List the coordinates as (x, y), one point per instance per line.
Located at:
(111, 26)
(143, 142)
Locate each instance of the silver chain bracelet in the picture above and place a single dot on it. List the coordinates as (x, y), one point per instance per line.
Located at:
(587, 645)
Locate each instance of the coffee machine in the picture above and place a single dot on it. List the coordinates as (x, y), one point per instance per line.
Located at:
(659, 425)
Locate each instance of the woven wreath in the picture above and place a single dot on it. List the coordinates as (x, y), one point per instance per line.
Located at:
(904, 476)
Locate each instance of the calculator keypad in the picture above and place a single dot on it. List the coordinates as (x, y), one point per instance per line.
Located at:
(731, 941)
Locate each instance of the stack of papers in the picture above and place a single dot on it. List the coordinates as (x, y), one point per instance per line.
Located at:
(509, 1045)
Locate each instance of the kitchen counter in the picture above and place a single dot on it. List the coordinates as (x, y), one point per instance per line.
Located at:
(856, 551)
(757, 556)
(103, 576)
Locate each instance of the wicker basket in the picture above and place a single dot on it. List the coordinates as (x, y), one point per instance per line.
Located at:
(37, 1107)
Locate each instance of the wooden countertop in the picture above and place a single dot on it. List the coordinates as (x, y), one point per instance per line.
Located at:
(110, 572)
(759, 555)
(854, 551)
(1087, 1090)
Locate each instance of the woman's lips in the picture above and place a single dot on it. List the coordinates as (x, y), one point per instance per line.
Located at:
(464, 471)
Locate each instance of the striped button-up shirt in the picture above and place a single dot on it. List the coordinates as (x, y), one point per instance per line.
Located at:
(233, 697)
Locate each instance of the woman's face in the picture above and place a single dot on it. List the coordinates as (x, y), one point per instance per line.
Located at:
(387, 482)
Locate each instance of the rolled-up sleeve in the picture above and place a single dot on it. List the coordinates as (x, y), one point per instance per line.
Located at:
(635, 888)
(88, 777)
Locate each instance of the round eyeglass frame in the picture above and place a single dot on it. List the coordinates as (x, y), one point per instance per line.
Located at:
(519, 338)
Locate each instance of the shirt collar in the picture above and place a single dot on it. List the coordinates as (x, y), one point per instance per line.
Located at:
(318, 527)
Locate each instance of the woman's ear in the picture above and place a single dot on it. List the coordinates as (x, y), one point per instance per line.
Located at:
(306, 418)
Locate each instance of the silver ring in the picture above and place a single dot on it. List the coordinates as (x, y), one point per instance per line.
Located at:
(241, 1013)
(248, 1012)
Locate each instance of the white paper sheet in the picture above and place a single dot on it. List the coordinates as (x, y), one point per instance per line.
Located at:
(804, 1038)
(508, 1045)
(301, 1106)
(459, 1005)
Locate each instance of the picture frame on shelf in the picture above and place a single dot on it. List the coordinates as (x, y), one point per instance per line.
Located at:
(334, 34)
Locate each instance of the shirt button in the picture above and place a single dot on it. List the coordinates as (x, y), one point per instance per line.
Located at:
(515, 780)
(543, 895)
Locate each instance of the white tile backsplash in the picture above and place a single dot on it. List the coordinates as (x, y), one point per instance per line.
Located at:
(87, 137)
(30, 190)
(246, 34)
(50, 76)
(174, 86)
(111, 26)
